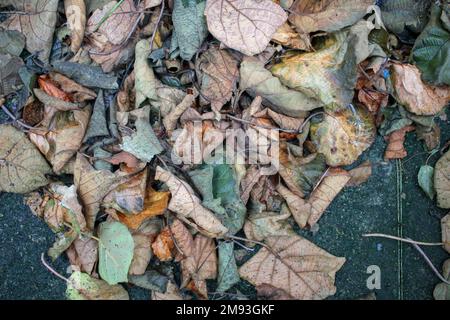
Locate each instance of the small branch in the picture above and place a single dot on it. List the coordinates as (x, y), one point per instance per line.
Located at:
(407, 240)
(52, 270)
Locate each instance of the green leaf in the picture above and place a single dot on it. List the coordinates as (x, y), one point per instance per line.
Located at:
(431, 52)
(189, 27)
(83, 287)
(115, 252)
(228, 272)
(425, 179)
(143, 144)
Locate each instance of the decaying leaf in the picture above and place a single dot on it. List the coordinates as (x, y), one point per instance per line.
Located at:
(308, 212)
(244, 25)
(360, 174)
(22, 167)
(442, 181)
(228, 274)
(185, 203)
(294, 265)
(163, 245)
(142, 254)
(445, 229)
(85, 254)
(399, 15)
(115, 250)
(268, 292)
(418, 97)
(37, 24)
(9, 77)
(262, 225)
(76, 20)
(425, 179)
(344, 135)
(150, 280)
(442, 290)
(286, 36)
(97, 123)
(395, 148)
(172, 293)
(81, 286)
(327, 15)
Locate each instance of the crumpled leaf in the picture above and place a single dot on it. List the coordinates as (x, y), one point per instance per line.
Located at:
(425, 180)
(217, 72)
(268, 292)
(76, 91)
(308, 212)
(431, 51)
(294, 264)
(228, 274)
(9, 74)
(442, 290)
(163, 245)
(11, 42)
(151, 280)
(76, 22)
(84, 254)
(445, 226)
(286, 36)
(417, 97)
(170, 121)
(266, 224)
(395, 148)
(189, 25)
(258, 81)
(360, 174)
(172, 293)
(115, 252)
(244, 25)
(442, 181)
(142, 254)
(344, 135)
(22, 167)
(399, 15)
(37, 25)
(143, 144)
(185, 203)
(327, 15)
(83, 287)
(92, 186)
(155, 203)
(97, 123)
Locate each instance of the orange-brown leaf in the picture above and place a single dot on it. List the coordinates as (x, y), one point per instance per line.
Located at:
(395, 148)
(163, 245)
(50, 88)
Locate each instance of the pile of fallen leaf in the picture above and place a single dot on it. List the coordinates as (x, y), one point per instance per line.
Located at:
(99, 94)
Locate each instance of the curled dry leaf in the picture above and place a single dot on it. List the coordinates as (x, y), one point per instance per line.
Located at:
(22, 167)
(244, 25)
(85, 254)
(50, 88)
(344, 135)
(445, 226)
(163, 245)
(327, 15)
(295, 265)
(77, 91)
(172, 293)
(308, 212)
(142, 254)
(442, 181)
(360, 174)
(395, 148)
(286, 36)
(418, 97)
(81, 286)
(217, 72)
(76, 21)
(185, 203)
(155, 203)
(171, 119)
(262, 225)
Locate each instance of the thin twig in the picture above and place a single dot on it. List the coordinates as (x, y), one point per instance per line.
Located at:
(407, 240)
(53, 270)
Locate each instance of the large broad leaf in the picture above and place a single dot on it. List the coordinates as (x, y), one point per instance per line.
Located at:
(22, 167)
(399, 15)
(344, 135)
(327, 15)
(189, 25)
(258, 81)
(295, 265)
(244, 25)
(431, 52)
(442, 181)
(81, 286)
(115, 248)
(37, 24)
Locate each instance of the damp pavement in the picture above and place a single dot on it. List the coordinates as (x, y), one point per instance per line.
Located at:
(371, 207)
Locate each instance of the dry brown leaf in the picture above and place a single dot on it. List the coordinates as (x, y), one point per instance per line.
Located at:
(442, 181)
(76, 22)
(93, 185)
(308, 212)
(155, 204)
(295, 265)
(360, 174)
(84, 254)
(22, 167)
(327, 15)
(126, 96)
(50, 88)
(395, 148)
(262, 225)
(163, 245)
(268, 292)
(172, 293)
(373, 100)
(445, 226)
(124, 157)
(286, 36)
(415, 95)
(244, 25)
(217, 71)
(185, 203)
(171, 119)
(183, 239)
(142, 254)
(248, 182)
(77, 91)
